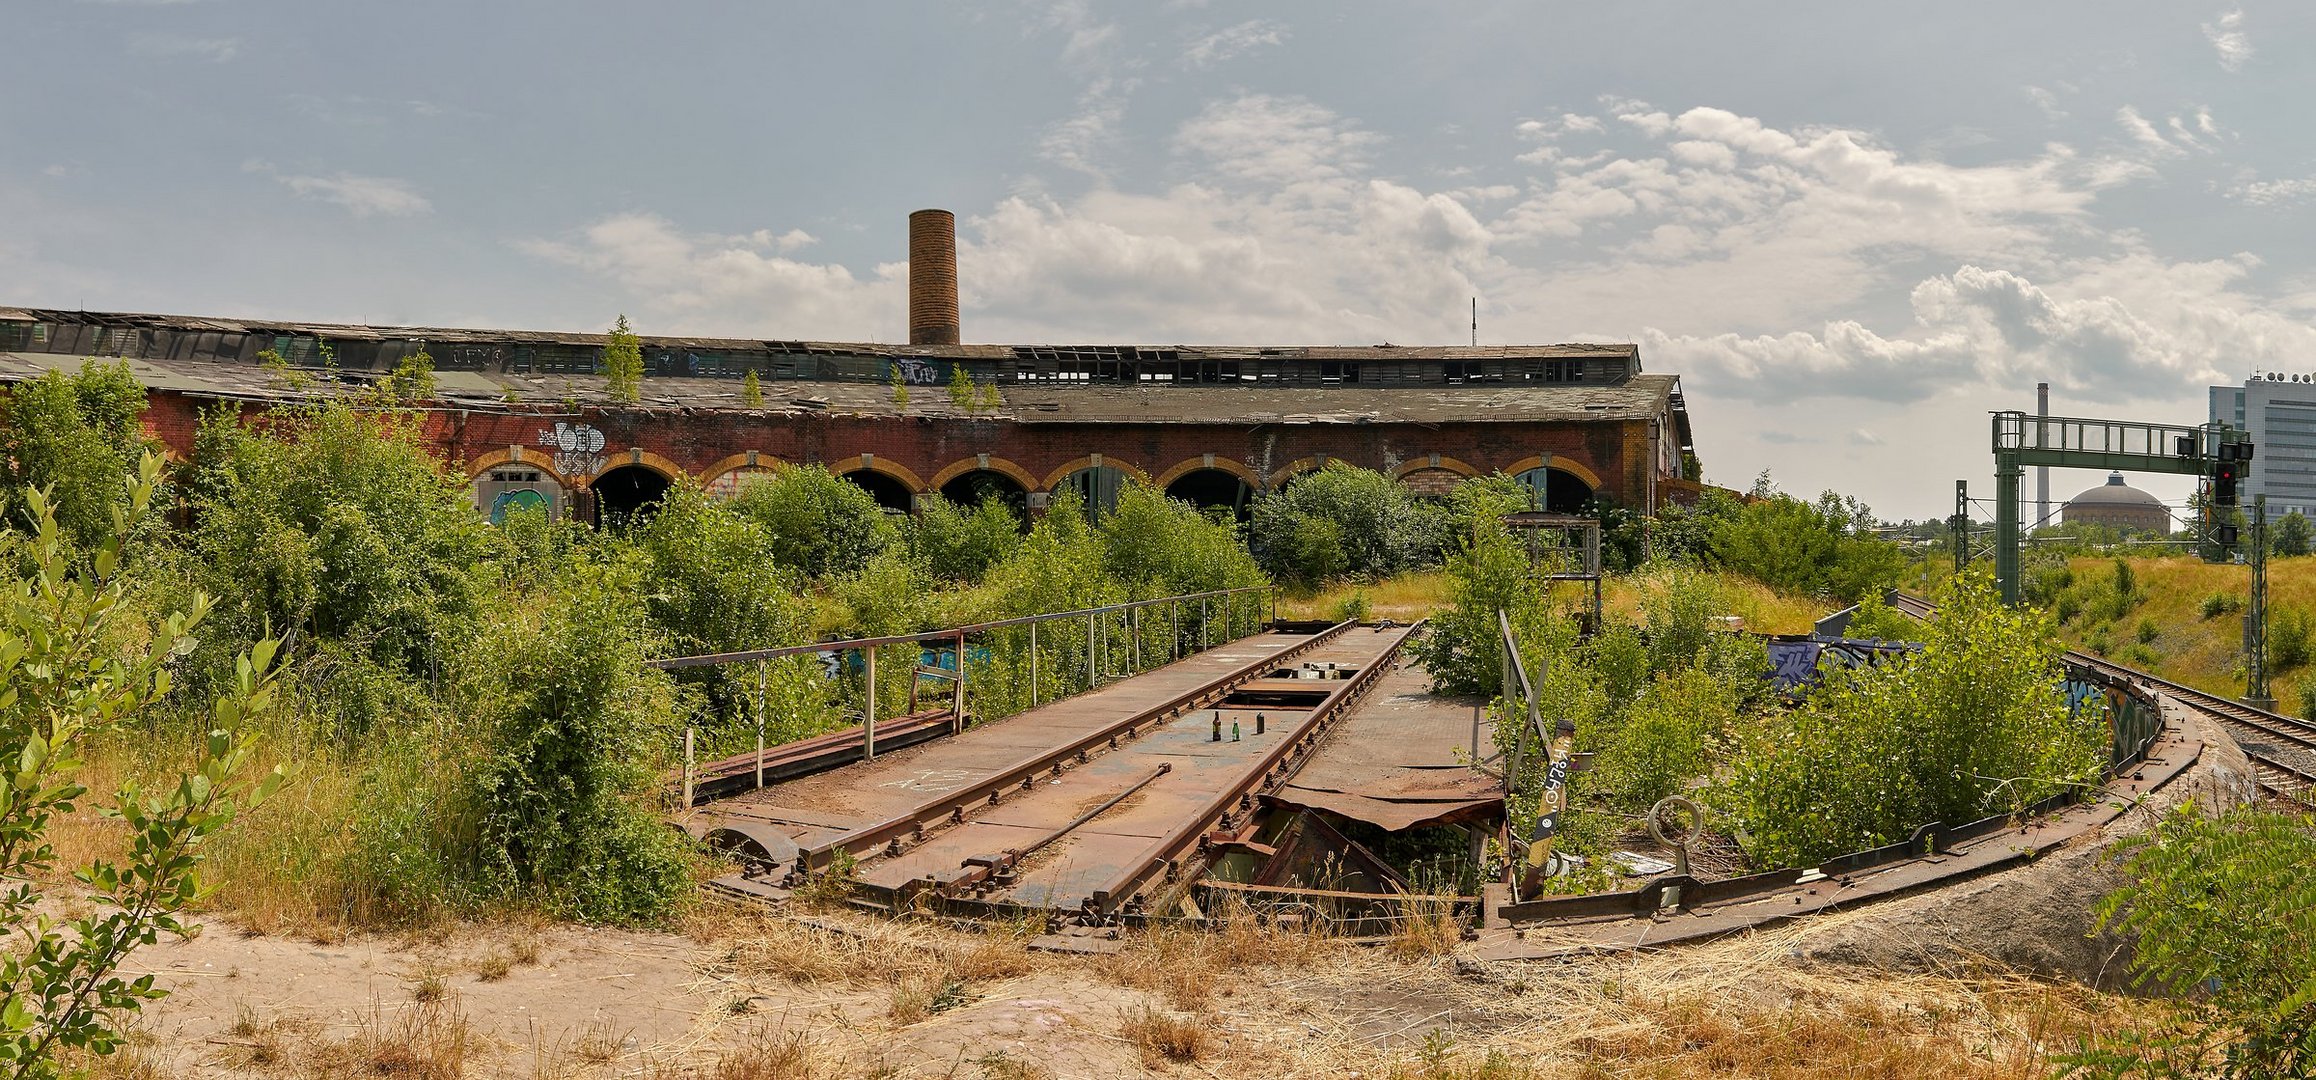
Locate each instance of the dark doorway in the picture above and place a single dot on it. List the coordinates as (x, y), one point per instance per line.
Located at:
(628, 494)
(1554, 491)
(980, 485)
(1209, 489)
(888, 492)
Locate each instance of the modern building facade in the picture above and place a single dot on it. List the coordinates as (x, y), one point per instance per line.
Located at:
(2279, 410)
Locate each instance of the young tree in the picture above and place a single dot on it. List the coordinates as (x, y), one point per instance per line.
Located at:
(2292, 535)
(411, 380)
(815, 521)
(65, 681)
(751, 391)
(960, 388)
(900, 389)
(623, 363)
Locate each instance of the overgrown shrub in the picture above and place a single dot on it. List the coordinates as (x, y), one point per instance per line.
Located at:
(2292, 535)
(957, 543)
(576, 732)
(2222, 603)
(1345, 520)
(2288, 638)
(815, 521)
(1875, 620)
(1464, 651)
(2223, 914)
(1666, 739)
(1972, 725)
(1826, 548)
(77, 438)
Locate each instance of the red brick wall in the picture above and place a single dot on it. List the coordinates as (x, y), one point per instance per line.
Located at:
(1616, 451)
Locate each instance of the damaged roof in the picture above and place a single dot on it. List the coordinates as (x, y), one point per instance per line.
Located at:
(1639, 397)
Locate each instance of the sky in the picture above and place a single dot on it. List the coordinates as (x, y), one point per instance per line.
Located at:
(1852, 229)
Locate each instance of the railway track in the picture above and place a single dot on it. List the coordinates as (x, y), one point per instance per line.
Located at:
(1117, 814)
(2282, 749)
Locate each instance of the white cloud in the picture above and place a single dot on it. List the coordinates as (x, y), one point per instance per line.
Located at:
(1232, 42)
(2047, 101)
(212, 50)
(2274, 192)
(2227, 38)
(2130, 328)
(736, 285)
(2143, 132)
(362, 196)
(1281, 141)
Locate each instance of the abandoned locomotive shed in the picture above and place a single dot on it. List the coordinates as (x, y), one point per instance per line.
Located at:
(527, 416)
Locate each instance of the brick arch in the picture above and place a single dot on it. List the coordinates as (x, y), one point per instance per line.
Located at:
(1433, 461)
(1192, 465)
(637, 455)
(752, 459)
(516, 455)
(1568, 465)
(1019, 475)
(1300, 466)
(1053, 479)
(872, 463)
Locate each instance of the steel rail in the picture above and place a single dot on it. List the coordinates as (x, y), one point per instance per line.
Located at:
(949, 809)
(949, 634)
(1278, 767)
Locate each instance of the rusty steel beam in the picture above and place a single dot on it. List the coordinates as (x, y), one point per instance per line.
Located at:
(1277, 767)
(950, 807)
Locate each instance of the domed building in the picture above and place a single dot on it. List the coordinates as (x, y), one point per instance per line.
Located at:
(2118, 505)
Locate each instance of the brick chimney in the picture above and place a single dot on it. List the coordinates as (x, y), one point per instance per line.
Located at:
(933, 278)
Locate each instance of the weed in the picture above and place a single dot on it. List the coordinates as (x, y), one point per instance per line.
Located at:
(997, 1065)
(1164, 1037)
(493, 966)
(431, 986)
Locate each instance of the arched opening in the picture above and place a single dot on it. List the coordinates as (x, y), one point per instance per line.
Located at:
(729, 482)
(888, 492)
(504, 488)
(628, 494)
(1097, 487)
(1209, 489)
(1554, 491)
(973, 487)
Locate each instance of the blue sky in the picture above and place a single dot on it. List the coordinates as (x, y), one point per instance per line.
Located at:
(1852, 228)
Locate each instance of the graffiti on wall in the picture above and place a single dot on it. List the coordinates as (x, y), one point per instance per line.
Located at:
(578, 448)
(917, 372)
(2131, 722)
(1796, 664)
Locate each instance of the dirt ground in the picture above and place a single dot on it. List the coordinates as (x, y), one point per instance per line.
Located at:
(750, 994)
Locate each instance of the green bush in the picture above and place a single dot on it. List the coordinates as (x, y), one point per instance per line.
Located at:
(2288, 638)
(2223, 914)
(2292, 535)
(1666, 739)
(1464, 651)
(814, 521)
(1345, 520)
(2148, 632)
(1878, 621)
(76, 437)
(2220, 603)
(575, 735)
(1973, 724)
(956, 543)
(1354, 608)
(1826, 548)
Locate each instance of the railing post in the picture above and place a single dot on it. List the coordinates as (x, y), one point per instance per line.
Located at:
(688, 772)
(1033, 689)
(957, 710)
(1089, 650)
(759, 723)
(868, 726)
(1174, 630)
(1202, 616)
(1134, 627)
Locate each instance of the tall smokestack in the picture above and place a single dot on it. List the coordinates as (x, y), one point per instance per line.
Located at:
(933, 278)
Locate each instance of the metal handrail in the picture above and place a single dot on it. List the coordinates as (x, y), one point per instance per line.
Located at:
(950, 634)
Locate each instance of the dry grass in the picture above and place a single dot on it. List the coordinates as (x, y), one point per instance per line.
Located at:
(1406, 598)
(1187, 967)
(1165, 1037)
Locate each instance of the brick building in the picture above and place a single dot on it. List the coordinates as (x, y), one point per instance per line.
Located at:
(526, 415)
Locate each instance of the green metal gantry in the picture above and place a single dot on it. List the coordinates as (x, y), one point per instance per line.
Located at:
(2021, 439)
